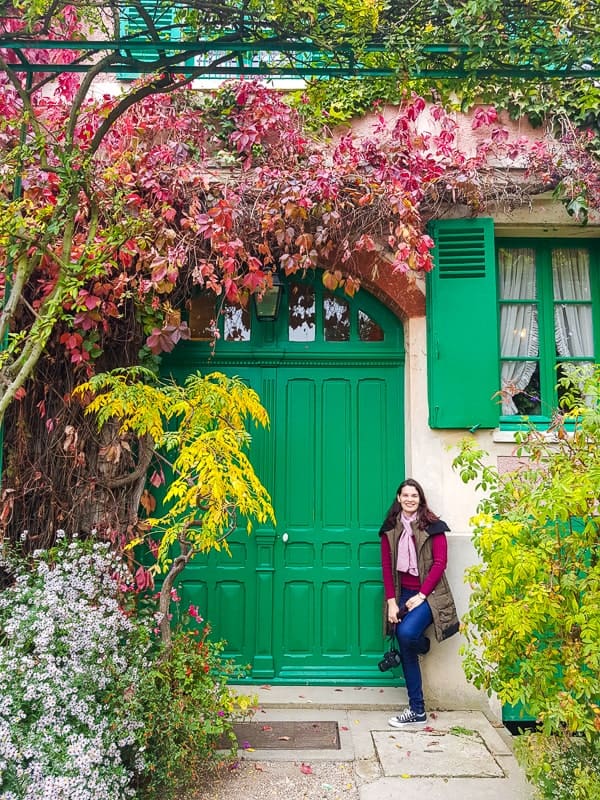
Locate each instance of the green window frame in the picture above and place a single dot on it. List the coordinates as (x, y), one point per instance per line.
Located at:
(549, 317)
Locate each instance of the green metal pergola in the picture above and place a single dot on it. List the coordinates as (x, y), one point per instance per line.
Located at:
(271, 57)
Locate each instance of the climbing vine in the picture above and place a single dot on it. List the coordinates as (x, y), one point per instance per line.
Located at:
(117, 207)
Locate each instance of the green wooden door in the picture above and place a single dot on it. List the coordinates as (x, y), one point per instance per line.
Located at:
(301, 601)
(338, 456)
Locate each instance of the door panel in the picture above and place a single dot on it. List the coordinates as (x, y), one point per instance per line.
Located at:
(339, 460)
(308, 609)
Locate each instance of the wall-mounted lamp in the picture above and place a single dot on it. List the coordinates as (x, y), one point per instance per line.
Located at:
(267, 306)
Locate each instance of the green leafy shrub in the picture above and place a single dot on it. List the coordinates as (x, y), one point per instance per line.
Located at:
(561, 768)
(189, 713)
(533, 628)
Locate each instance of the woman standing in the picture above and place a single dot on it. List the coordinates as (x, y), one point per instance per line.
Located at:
(414, 555)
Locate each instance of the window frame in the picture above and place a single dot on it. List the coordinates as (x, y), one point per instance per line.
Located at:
(268, 334)
(548, 358)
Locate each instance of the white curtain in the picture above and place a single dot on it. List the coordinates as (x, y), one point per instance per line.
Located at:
(572, 323)
(571, 278)
(518, 323)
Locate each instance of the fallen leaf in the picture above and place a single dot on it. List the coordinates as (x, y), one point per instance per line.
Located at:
(265, 686)
(266, 728)
(306, 769)
(283, 738)
(433, 715)
(405, 776)
(344, 728)
(336, 690)
(259, 767)
(428, 728)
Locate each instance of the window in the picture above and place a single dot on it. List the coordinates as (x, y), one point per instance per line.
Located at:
(134, 28)
(505, 319)
(308, 314)
(549, 312)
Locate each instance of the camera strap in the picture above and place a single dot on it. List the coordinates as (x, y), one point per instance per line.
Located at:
(393, 644)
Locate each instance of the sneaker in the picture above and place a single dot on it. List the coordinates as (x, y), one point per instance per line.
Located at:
(407, 717)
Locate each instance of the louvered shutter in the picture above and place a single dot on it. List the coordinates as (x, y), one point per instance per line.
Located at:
(462, 326)
(134, 27)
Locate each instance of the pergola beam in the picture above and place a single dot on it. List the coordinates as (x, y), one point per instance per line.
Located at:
(298, 59)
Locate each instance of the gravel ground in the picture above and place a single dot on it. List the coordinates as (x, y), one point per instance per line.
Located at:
(283, 780)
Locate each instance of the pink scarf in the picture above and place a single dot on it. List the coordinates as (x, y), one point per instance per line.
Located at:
(407, 553)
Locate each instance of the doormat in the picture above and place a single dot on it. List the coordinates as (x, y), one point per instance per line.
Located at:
(278, 735)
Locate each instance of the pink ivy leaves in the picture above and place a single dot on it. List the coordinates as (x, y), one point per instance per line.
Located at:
(163, 340)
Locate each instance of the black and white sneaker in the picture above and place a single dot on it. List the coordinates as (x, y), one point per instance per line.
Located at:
(407, 717)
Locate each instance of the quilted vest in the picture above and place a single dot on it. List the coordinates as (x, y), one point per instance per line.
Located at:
(441, 602)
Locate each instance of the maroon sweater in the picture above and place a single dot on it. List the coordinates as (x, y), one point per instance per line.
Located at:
(439, 548)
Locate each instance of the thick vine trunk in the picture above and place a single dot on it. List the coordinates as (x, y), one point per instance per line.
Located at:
(179, 564)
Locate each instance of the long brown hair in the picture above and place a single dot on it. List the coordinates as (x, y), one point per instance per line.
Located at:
(425, 515)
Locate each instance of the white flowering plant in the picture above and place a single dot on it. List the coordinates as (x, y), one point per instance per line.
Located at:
(71, 664)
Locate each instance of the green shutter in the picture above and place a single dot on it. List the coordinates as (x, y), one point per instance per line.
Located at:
(132, 23)
(462, 326)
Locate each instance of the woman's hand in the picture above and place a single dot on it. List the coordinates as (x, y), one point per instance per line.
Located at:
(415, 601)
(392, 611)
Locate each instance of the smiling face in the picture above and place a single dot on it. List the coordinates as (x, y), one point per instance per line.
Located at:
(409, 499)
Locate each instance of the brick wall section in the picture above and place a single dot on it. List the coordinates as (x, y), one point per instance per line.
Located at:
(400, 292)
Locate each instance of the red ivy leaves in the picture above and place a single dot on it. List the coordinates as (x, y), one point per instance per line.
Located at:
(170, 214)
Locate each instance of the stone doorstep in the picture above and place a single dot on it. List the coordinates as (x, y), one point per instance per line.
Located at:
(362, 713)
(365, 735)
(344, 698)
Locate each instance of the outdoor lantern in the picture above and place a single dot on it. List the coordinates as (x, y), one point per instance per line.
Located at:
(267, 305)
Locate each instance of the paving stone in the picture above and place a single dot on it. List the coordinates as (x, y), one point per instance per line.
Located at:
(435, 754)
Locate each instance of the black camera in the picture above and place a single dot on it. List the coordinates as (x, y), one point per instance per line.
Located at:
(390, 660)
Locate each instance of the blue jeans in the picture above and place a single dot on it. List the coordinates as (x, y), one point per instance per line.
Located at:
(411, 641)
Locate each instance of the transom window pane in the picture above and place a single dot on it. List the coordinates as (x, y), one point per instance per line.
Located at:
(236, 323)
(202, 317)
(368, 329)
(302, 313)
(336, 319)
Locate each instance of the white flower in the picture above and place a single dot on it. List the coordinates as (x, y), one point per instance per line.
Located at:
(68, 656)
